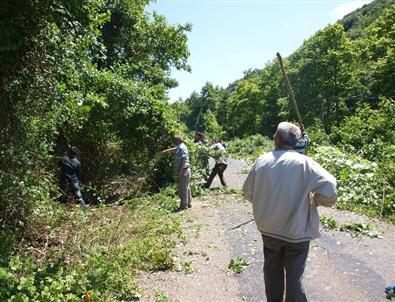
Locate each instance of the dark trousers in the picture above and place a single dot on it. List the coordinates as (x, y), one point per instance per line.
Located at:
(282, 256)
(218, 169)
(73, 186)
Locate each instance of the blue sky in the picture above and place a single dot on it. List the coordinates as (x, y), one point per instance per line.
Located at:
(231, 36)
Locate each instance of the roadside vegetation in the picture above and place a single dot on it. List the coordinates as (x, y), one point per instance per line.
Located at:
(237, 265)
(355, 229)
(94, 255)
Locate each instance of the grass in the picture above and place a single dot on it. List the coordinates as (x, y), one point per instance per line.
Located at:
(95, 255)
(354, 228)
(161, 297)
(357, 229)
(205, 256)
(328, 222)
(186, 267)
(237, 265)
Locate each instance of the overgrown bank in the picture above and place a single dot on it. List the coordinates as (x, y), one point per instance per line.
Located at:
(91, 74)
(95, 255)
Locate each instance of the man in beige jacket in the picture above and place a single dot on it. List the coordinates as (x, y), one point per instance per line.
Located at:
(286, 188)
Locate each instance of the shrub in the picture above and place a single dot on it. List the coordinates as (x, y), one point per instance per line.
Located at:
(94, 256)
(250, 147)
(359, 183)
(370, 132)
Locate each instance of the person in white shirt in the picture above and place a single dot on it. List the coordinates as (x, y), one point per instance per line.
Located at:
(285, 189)
(221, 163)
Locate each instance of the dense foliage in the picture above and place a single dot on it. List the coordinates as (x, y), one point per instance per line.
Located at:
(89, 73)
(355, 22)
(95, 257)
(330, 73)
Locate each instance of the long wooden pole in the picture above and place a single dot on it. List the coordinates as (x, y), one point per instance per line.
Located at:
(290, 91)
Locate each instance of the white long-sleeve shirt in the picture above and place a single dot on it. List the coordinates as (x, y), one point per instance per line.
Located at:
(218, 153)
(285, 189)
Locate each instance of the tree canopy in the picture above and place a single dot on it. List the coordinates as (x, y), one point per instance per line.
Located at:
(89, 73)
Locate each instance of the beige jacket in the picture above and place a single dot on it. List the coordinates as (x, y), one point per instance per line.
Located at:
(285, 188)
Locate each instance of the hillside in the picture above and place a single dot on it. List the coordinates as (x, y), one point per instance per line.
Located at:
(355, 22)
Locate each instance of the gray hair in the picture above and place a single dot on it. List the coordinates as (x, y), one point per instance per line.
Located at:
(288, 133)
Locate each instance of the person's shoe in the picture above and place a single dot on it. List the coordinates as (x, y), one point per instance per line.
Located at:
(83, 204)
(179, 209)
(189, 205)
(390, 290)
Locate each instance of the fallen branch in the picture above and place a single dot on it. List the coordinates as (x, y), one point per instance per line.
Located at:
(241, 224)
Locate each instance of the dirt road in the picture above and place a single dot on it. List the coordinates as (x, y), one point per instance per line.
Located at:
(219, 228)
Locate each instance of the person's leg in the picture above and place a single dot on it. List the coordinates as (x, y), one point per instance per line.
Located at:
(273, 268)
(207, 172)
(63, 185)
(221, 173)
(211, 177)
(189, 192)
(75, 186)
(183, 185)
(206, 167)
(295, 262)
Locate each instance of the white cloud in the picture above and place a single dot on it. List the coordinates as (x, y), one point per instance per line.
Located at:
(343, 9)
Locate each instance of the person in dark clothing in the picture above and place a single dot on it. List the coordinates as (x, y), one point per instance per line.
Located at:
(70, 170)
(302, 143)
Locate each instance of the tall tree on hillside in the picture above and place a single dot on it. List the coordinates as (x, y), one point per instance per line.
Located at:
(380, 56)
(356, 22)
(245, 106)
(212, 128)
(208, 99)
(323, 74)
(271, 84)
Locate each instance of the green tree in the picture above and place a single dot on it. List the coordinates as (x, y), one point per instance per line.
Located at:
(323, 75)
(381, 52)
(245, 106)
(92, 73)
(355, 23)
(208, 99)
(213, 129)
